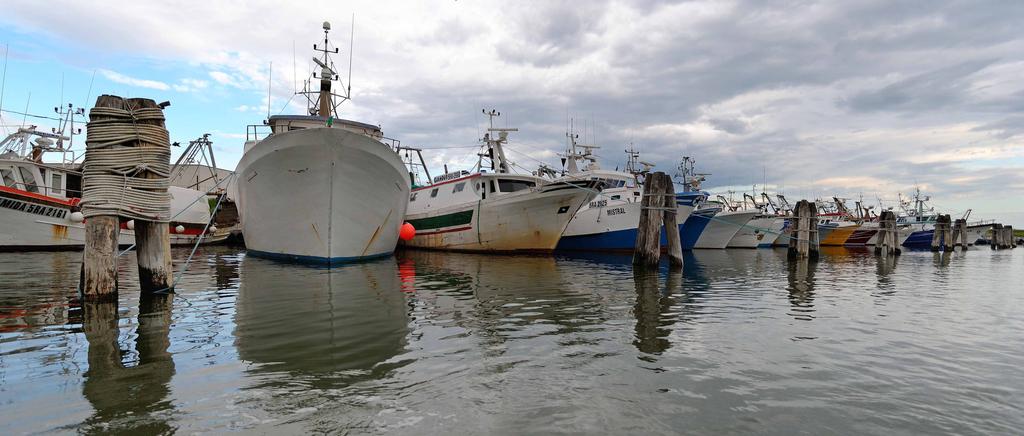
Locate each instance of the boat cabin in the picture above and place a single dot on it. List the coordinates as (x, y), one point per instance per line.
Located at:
(286, 123)
(478, 186)
(39, 178)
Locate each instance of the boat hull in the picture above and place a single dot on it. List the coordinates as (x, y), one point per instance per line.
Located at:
(322, 195)
(612, 228)
(721, 228)
(838, 236)
(36, 222)
(531, 221)
(758, 232)
(923, 238)
(524, 223)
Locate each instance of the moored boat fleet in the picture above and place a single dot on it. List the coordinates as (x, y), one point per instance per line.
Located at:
(317, 188)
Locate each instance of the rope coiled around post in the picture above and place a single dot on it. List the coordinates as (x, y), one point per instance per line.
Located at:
(110, 182)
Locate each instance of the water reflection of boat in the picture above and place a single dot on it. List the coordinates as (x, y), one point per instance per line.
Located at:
(333, 325)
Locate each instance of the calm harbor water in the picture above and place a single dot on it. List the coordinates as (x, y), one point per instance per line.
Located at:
(740, 341)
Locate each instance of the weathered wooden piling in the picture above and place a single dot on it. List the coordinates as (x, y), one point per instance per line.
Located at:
(127, 162)
(960, 234)
(675, 245)
(996, 236)
(658, 208)
(942, 234)
(1008, 237)
(888, 240)
(804, 239)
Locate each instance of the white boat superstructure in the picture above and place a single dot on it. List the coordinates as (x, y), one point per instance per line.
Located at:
(494, 211)
(319, 188)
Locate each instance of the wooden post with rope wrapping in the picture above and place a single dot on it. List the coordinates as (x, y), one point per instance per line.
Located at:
(647, 249)
(941, 234)
(658, 208)
(675, 245)
(127, 162)
(960, 234)
(886, 244)
(804, 242)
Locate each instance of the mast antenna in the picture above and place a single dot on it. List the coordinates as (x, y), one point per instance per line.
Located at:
(270, 76)
(351, 45)
(3, 85)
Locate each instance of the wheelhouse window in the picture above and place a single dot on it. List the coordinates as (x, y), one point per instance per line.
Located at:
(507, 185)
(30, 180)
(8, 177)
(459, 187)
(616, 197)
(56, 183)
(433, 192)
(413, 196)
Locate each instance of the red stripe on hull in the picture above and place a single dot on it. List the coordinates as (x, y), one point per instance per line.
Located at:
(860, 237)
(32, 196)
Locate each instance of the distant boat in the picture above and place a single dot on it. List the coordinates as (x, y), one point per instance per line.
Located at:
(761, 230)
(916, 225)
(722, 226)
(609, 221)
(495, 211)
(319, 188)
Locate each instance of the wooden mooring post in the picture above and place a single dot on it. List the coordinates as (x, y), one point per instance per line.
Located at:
(960, 234)
(1008, 241)
(996, 237)
(119, 119)
(942, 234)
(658, 208)
(888, 240)
(804, 239)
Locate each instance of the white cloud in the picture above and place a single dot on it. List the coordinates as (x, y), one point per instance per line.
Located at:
(116, 77)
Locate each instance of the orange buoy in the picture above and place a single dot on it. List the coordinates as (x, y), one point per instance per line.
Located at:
(407, 232)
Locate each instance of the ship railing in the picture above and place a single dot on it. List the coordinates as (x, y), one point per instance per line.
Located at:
(256, 132)
(395, 144)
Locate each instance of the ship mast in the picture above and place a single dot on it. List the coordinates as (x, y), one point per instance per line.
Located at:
(495, 150)
(327, 101)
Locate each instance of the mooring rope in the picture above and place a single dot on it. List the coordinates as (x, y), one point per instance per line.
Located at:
(109, 182)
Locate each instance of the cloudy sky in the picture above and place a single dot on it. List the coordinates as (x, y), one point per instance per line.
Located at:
(833, 98)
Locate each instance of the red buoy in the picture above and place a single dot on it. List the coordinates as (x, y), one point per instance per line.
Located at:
(407, 232)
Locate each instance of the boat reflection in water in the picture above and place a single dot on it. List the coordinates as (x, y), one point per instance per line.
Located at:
(309, 329)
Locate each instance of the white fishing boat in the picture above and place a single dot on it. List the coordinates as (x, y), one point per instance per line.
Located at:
(609, 221)
(761, 230)
(722, 226)
(319, 188)
(495, 211)
(916, 224)
(39, 200)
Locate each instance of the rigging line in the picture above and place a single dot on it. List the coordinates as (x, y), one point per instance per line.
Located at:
(88, 95)
(26, 109)
(3, 86)
(351, 46)
(286, 104)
